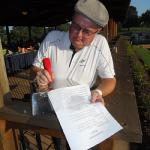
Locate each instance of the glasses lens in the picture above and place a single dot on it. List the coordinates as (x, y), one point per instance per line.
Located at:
(84, 31)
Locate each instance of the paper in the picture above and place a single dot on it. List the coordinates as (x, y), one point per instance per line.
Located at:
(84, 124)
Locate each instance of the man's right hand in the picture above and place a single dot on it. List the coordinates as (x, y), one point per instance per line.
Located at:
(44, 79)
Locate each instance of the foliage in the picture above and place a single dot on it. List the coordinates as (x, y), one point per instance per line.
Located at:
(144, 55)
(138, 70)
(132, 19)
(3, 34)
(145, 18)
(147, 102)
(138, 74)
(130, 51)
(22, 33)
(63, 27)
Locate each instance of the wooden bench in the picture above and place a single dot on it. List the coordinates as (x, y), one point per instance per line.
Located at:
(145, 46)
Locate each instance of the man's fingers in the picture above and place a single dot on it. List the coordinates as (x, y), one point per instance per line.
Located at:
(93, 97)
(96, 97)
(43, 77)
(46, 74)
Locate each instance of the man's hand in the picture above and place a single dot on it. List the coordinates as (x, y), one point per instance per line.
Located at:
(96, 97)
(44, 79)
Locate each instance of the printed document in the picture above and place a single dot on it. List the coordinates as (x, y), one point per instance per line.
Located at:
(84, 124)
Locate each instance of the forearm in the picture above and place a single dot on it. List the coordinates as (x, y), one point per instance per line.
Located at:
(107, 85)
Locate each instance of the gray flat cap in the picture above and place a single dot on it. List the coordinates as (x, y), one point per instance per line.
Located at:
(94, 10)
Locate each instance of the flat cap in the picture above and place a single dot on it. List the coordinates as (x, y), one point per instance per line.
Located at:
(93, 10)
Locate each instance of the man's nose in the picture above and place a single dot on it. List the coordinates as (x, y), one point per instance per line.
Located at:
(80, 32)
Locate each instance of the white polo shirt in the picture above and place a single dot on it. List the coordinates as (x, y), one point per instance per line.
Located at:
(86, 64)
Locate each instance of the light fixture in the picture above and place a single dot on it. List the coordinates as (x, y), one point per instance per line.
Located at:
(24, 13)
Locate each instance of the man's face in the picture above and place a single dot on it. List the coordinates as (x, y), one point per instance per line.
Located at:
(82, 31)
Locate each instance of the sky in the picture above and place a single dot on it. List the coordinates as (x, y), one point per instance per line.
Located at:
(141, 5)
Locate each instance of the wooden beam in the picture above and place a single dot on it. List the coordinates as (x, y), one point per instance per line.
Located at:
(145, 46)
(6, 137)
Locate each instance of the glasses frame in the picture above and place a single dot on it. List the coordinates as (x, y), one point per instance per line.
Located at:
(86, 32)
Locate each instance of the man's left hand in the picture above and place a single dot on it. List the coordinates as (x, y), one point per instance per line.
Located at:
(96, 97)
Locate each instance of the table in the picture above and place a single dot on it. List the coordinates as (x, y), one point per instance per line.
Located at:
(18, 115)
(17, 62)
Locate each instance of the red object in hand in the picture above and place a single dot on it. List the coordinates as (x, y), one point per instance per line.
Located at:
(47, 65)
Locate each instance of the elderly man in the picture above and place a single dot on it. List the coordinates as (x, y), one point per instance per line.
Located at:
(80, 55)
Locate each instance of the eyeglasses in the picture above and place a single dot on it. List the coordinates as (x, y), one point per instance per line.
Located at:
(77, 28)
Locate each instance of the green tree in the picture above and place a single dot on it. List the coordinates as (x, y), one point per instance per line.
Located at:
(22, 33)
(145, 18)
(132, 19)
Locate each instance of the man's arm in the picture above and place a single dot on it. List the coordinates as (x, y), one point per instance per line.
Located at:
(107, 85)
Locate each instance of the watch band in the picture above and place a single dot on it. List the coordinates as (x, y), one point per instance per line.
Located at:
(99, 92)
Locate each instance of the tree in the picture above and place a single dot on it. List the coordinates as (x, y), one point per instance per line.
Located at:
(132, 19)
(145, 18)
(22, 33)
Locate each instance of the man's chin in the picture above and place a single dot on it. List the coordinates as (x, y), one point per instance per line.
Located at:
(78, 46)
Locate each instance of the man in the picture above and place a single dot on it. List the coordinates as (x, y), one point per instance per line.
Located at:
(80, 55)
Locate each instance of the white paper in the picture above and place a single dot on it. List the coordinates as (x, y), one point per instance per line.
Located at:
(84, 124)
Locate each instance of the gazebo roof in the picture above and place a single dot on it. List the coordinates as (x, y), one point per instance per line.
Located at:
(50, 12)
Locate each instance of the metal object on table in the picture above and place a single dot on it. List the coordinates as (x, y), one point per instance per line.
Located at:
(40, 104)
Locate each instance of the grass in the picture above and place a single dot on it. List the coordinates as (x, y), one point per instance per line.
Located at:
(144, 55)
(138, 71)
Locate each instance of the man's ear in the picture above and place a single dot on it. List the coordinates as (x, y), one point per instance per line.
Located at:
(99, 30)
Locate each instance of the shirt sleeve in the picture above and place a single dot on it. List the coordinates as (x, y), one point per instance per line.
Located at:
(105, 66)
(45, 48)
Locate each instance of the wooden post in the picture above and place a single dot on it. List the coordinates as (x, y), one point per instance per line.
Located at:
(4, 85)
(29, 31)
(6, 137)
(105, 32)
(8, 36)
(110, 26)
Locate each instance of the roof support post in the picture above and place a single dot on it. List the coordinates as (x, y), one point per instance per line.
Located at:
(4, 85)
(6, 137)
(29, 31)
(8, 36)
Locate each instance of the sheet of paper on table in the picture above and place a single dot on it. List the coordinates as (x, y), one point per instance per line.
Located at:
(84, 124)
